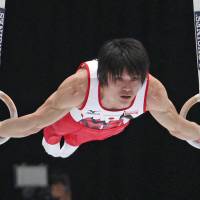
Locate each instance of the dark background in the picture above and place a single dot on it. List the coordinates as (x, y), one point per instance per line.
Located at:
(45, 41)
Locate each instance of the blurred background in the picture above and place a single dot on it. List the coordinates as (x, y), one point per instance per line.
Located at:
(44, 42)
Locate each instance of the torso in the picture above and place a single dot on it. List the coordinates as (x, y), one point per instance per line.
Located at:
(100, 124)
(93, 111)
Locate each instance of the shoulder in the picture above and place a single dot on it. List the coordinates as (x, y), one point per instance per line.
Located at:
(156, 95)
(76, 81)
(155, 86)
(74, 87)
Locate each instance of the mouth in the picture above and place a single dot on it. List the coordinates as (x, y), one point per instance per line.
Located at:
(125, 97)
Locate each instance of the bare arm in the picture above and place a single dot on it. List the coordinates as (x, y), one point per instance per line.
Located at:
(162, 109)
(70, 94)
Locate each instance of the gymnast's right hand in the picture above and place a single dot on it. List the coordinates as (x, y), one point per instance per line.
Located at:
(12, 110)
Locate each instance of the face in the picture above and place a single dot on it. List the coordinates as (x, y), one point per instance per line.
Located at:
(57, 190)
(122, 91)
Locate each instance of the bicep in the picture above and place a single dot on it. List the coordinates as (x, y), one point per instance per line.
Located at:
(67, 96)
(160, 106)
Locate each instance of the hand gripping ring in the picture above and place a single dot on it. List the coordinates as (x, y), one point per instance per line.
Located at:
(12, 110)
(184, 111)
(188, 105)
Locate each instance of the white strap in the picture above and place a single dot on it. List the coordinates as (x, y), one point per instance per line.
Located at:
(196, 5)
(2, 3)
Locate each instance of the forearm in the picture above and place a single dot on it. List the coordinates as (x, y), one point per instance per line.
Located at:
(177, 125)
(19, 127)
(186, 130)
(180, 127)
(32, 123)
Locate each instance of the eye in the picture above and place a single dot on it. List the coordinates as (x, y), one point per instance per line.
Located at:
(118, 79)
(134, 78)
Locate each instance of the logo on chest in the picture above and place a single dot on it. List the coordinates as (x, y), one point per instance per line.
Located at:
(93, 112)
(135, 112)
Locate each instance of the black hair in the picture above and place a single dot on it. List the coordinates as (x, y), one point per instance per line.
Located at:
(119, 54)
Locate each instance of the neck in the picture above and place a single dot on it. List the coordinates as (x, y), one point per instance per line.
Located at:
(107, 102)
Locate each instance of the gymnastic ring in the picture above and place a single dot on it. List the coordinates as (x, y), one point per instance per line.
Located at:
(12, 110)
(188, 105)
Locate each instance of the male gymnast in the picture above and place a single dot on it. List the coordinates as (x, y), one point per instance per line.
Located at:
(99, 100)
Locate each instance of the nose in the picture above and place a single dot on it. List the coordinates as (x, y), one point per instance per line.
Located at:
(126, 88)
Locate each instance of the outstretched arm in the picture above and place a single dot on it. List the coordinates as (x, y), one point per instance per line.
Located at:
(69, 94)
(163, 110)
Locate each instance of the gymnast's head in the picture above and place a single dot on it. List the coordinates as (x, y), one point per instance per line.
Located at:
(123, 65)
